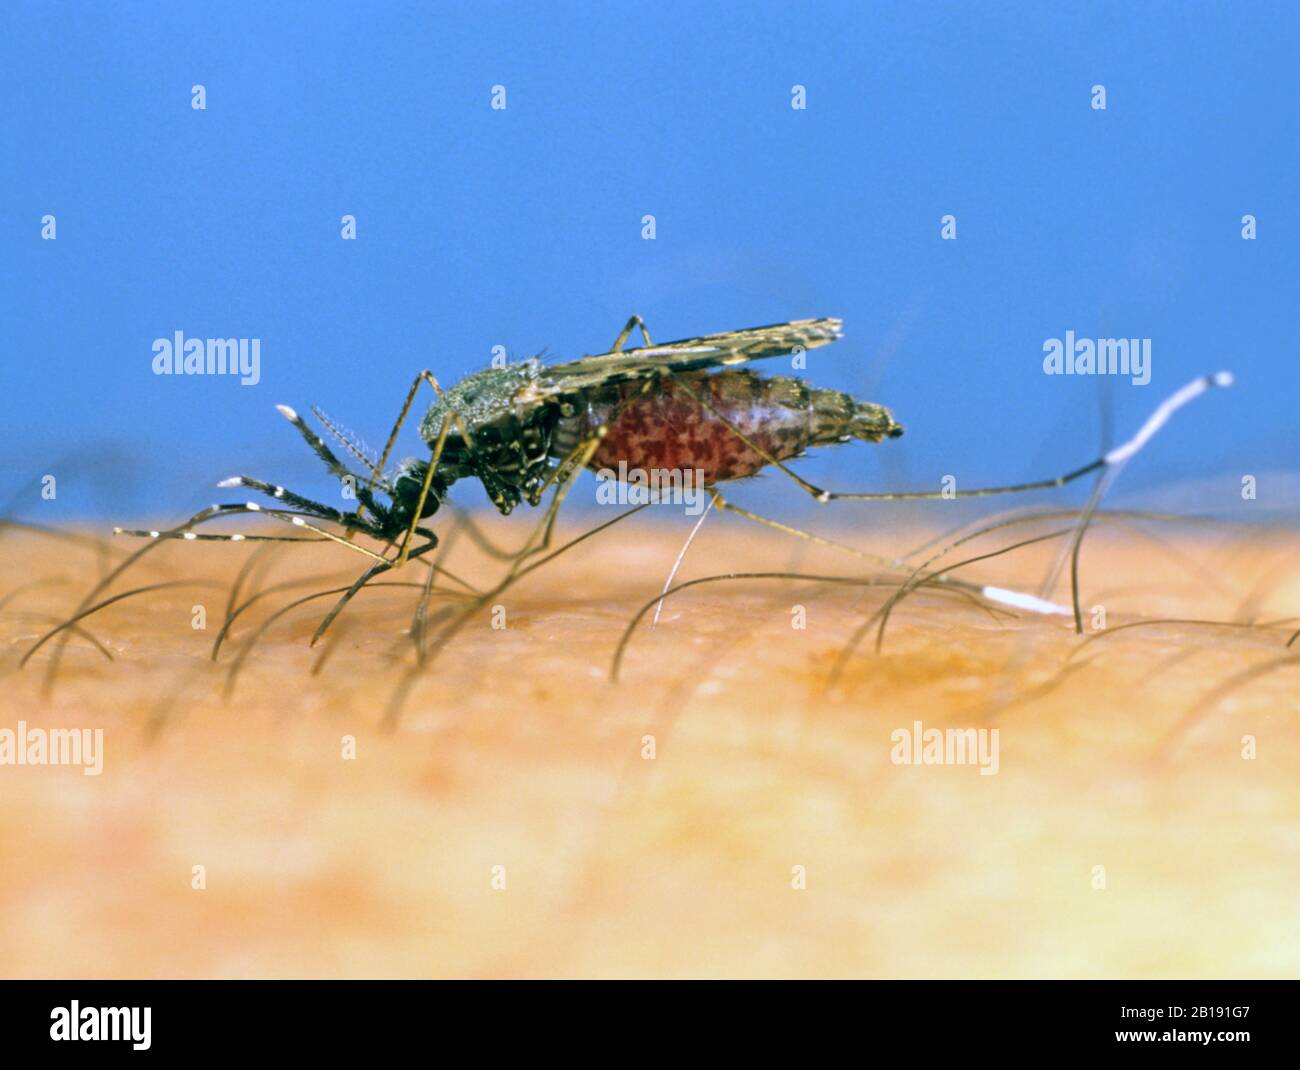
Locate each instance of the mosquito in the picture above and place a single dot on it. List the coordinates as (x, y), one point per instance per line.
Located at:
(524, 428)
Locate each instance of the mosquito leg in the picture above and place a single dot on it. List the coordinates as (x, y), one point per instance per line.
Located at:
(420, 621)
(196, 536)
(361, 581)
(405, 551)
(425, 376)
(539, 540)
(571, 467)
(628, 631)
(449, 631)
(1109, 465)
(181, 531)
(633, 322)
(564, 475)
(1112, 460)
(299, 521)
(788, 529)
(200, 517)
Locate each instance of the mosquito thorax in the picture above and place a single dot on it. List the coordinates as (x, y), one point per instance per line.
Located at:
(509, 432)
(480, 400)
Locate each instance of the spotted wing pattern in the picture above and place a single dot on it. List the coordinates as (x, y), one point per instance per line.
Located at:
(690, 354)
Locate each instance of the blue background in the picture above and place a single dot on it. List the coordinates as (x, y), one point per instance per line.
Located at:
(523, 227)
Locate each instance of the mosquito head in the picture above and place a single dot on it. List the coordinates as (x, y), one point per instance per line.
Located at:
(408, 485)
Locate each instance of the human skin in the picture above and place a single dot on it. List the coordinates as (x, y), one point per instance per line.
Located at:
(763, 831)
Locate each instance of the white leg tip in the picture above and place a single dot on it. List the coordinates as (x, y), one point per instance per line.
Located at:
(1223, 379)
(1026, 601)
(232, 481)
(287, 413)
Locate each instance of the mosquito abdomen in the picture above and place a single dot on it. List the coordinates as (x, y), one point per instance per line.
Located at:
(682, 423)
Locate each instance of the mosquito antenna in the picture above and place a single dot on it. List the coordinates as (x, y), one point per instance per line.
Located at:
(357, 449)
(336, 467)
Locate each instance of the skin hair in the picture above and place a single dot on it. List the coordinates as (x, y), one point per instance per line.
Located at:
(512, 748)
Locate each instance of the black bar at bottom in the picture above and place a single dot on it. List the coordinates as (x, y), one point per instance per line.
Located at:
(336, 1019)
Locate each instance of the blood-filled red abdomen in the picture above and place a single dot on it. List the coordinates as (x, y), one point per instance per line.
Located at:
(681, 423)
(669, 427)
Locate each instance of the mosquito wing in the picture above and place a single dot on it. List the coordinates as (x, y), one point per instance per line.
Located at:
(690, 354)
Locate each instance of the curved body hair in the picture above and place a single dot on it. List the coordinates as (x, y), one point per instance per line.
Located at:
(682, 423)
